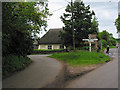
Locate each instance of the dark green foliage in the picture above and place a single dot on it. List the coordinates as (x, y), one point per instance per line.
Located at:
(94, 27)
(21, 21)
(104, 35)
(118, 40)
(12, 63)
(83, 48)
(83, 23)
(104, 43)
(38, 51)
(117, 23)
(113, 42)
(107, 38)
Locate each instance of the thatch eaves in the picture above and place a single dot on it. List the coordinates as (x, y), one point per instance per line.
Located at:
(52, 37)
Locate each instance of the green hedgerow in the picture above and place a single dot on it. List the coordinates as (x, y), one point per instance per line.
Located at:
(12, 63)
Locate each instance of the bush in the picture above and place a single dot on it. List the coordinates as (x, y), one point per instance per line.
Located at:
(113, 42)
(104, 43)
(38, 51)
(12, 63)
(83, 48)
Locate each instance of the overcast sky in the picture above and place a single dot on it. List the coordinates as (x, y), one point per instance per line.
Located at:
(106, 11)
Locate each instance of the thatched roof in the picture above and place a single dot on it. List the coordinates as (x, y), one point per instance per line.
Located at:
(51, 37)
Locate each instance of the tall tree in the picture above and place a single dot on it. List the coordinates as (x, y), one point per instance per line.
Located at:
(94, 28)
(20, 21)
(107, 38)
(117, 23)
(104, 35)
(82, 19)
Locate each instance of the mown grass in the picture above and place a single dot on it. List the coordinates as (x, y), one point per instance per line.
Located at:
(78, 58)
(113, 47)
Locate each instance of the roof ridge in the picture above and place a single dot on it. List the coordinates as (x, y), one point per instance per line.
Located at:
(52, 36)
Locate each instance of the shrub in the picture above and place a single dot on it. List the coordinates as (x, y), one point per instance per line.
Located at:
(83, 48)
(38, 51)
(113, 42)
(12, 63)
(104, 43)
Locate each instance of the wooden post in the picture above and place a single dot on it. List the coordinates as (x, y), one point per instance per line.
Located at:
(90, 41)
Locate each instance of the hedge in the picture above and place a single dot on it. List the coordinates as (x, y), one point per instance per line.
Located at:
(12, 63)
(38, 51)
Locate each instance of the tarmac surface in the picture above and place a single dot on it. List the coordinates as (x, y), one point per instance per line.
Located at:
(42, 71)
(105, 76)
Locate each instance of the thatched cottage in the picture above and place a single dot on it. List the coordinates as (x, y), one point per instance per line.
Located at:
(51, 40)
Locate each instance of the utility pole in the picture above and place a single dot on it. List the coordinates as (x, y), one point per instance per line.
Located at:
(73, 26)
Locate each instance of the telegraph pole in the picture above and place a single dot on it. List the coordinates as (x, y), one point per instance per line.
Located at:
(73, 26)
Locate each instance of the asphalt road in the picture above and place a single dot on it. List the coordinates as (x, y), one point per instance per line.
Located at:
(105, 76)
(42, 71)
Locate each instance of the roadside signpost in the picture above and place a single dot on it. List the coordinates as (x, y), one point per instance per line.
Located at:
(90, 41)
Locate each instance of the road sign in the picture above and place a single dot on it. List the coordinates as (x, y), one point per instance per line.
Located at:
(90, 41)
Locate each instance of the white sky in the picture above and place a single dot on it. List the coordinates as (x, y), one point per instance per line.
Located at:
(106, 11)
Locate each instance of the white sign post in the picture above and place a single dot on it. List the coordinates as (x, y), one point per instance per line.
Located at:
(90, 41)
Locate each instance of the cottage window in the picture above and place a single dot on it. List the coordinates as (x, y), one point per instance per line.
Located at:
(49, 46)
(61, 46)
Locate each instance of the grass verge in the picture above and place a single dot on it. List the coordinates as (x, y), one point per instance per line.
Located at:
(79, 58)
(113, 47)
